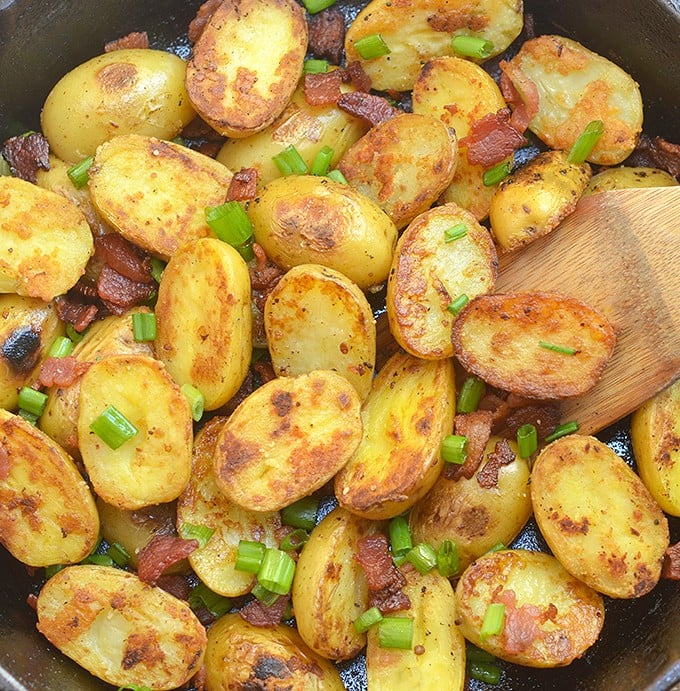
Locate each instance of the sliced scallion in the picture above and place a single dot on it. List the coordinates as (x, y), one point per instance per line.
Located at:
(395, 632)
(457, 305)
(289, 162)
(4, 167)
(423, 557)
(231, 225)
(371, 47)
(455, 232)
(157, 268)
(565, 350)
(497, 173)
(472, 46)
(53, 569)
(201, 533)
(369, 618)
(475, 654)
(484, 671)
(79, 173)
(144, 326)
(98, 559)
(196, 400)
(301, 514)
(470, 395)
(400, 536)
(201, 596)
(322, 161)
(336, 176)
(29, 417)
(295, 540)
(527, 440)
(563, 430)
(119, 555)
(75, 336)
(313, 66)
(448, 560)
(249, 556)
(583, 146)
(496, 548)
(493, 620)
(32, 400)
(315, 6)
(276, 571)
(266, 597)
(113, 428)
(454, 449)
(61, 347)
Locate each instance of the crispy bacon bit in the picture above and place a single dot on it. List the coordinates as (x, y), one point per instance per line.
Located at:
(385, 581)
(258, 614)
(372, 108)
(32, 601)
(477, 428)
(135, 39)
(4, 463)
(452, 20)
(243, 185)
(323, 89)
(125, 258)
(671, 563)
(174, 584)
(360, 80)
(655, 152)
(511, 413)
(119, 293)
(521, 93)
(265, 370)
(203, 16)
(26, 154)
(502, 455)
(263, 276)
(61, 371)
(161, 552)
(327, 34)
(200, 129)
(521, 626)
(79, 315)
(491, 139)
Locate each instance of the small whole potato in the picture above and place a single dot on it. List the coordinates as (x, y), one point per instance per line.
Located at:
(127, 91)
(624, 177)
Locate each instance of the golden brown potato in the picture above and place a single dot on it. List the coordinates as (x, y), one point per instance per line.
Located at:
(655, 430)
(408, 411)
(403, 164)
(531, 202)
(330, 589)
(131, 91)
(624, 177)
(306, 219)
(550, 617)
(120, 629)
(275, 658)
(316, 318)
(47, 513)
(287, 439)
(204, 319)
(28, 327)
(540, 345)
(45, 241)
(246, 64)
(430, 271)
(575, 86)
(417, 30)
(203, 504)
(597, 516)
(437, 656)
(153, 466)
(154, 193)
(473, 516)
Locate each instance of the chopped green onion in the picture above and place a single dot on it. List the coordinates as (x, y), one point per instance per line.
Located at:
(157, 268)
(470, 395)
(29, 417)
(202, 533)
(266, 597)
(457, 305)
(98, 559)
(315, 66)
(395, 632)
(293, 541)
(113, 428)
(527, 440)
(231, 225)
(289, 162)
(75, 336)
(472, 46)
(497, 173)
(196, 400)
(369, 618)
(179, 140)
(32, 401)
(371, 47)
(565, 350)
(484, 671)
(448, 561)
(134, 687)
(202, 596)
(4, 167)
(423, 557)
(454, 449)
(336, 176)
(61, 347)
(455, 232)
(301, 514)
(78, 174)
(399, 559)
(496, 548)
(400, 536)
(53, 569)
(493, 620)
(119, 555)
(563, 430)
(322, 161)
(475, 654)
(144, 326)
(582, 147)
(315, 6)
(276, 571)
(249, 556)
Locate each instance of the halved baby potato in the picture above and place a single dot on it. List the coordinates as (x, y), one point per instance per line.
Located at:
(246, 64)
(153, 466)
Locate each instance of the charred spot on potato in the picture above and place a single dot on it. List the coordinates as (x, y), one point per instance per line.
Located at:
(282, 401)
(117, 77)
(270, 667)
(570, 527)
(20, 349)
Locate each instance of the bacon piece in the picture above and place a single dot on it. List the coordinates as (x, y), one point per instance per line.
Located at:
(327, 34)
(26, 154)
(258, 614)
(4, 463)
(511, 413)
(243, 185)
(175, 584)
(265, 370)
(491, 139)
(119, 293)
(671, 563)
(501, 455)
(161, 552)
(655, 152)
(61, 371)
(203, 16)
(323, 89)
(263, 276)
(360, 80)
(374, 109)
(477, 428)
(521, 93)
(385, 581)
(521, 626)
(135, 39)
(79, 315)
(125, 258)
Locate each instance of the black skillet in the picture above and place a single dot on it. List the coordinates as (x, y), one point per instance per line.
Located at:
(40, 40)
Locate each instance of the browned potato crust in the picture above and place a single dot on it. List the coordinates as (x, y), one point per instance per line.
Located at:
(498, 338)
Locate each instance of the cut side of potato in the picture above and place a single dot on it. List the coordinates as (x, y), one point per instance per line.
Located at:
(246, 64)
(287, 439)
(430, 271)
(597, 516)
(539, 345)
(316, 318)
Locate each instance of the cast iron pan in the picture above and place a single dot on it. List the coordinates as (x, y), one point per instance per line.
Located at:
(40, 40)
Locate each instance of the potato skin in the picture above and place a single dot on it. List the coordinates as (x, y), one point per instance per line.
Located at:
(246, 64)
(655, 430)
(551, 618)
(47, 513)
(613, 540)
(120, 629)
(624, 177)
(138, 91)
(497, 338)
